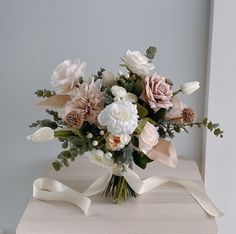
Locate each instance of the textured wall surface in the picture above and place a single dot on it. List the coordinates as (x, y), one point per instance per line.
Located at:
(36, 35)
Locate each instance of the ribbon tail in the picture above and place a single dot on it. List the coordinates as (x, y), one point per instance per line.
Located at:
(98, 185)
(52, 190)
(193, 188)
(200, 196)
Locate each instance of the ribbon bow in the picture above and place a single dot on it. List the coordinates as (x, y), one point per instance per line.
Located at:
(52, 190)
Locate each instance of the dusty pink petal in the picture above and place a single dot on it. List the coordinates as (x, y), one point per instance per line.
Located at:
(164, 152)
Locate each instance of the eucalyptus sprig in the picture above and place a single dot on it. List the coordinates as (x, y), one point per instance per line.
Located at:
(169, 128)
(44, 93)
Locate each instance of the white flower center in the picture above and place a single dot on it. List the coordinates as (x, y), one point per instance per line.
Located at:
(120, 114)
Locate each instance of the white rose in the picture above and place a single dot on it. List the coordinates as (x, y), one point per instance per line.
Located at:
(118, 91)
(118, 142)
(66, 76)
(108, 78)
(42, 134)
(190, 87)
(138, 63)
(120, 118)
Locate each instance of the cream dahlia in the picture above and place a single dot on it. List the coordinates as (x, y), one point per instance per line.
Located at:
(87, 98)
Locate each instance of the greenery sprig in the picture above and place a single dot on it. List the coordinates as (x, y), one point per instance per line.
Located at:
(44, 93)
(168, 128)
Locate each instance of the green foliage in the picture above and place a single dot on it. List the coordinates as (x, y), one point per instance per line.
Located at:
(151, 52)
(44, 123)
(54, 114)
(142, 123)
(142, 111)
(108, 97)
(99, 74)
(140, 159)
(123, 156)
(44, 93)
(135, 141)
(89, 128)
(168, 128)
(128, 84)
(137, 87)
(213, 127)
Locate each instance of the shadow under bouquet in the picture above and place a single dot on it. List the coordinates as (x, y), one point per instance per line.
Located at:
(116, 120)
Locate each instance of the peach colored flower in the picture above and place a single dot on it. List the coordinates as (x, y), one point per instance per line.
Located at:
(117, 142)
(156, 92)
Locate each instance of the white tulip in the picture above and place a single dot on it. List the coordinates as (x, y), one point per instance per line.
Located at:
(118, 91)
(42, 134)
(138, 63)
(189, 87)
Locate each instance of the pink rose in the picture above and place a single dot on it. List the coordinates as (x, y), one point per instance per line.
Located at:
(156, 92)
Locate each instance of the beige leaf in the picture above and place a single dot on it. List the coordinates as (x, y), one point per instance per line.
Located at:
(56, 101)
(164, 152)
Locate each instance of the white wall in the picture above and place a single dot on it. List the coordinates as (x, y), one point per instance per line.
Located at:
(220, 156)
(35, 35)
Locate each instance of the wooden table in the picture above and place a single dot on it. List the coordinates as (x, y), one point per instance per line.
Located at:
(169, 209)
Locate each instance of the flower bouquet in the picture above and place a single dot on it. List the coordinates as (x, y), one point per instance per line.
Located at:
(117, 120)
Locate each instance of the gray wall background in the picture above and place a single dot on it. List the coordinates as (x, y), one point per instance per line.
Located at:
(36, 35)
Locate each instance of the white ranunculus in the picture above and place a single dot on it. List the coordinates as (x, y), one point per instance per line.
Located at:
(118, 91)
(98, 157)
(66, 75)
(108, 78)
(138, 63)
(117, 142)
(120, 117)
(42, 134)
(131, 97)
(190, 87)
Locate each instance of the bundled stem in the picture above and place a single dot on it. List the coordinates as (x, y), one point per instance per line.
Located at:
(118, 189)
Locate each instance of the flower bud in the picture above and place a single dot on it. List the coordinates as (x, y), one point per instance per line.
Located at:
(189, 87)
(42, 134)
(118, 91)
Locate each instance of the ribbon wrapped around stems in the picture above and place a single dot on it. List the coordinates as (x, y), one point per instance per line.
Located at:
(52, 190)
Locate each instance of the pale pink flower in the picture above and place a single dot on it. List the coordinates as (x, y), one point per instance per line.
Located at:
(148, 138)
(156, 92)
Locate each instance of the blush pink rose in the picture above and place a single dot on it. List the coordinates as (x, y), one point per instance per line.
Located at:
(148, 138)
(156, 92)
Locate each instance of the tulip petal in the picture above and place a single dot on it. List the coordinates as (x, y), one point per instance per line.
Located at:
(164, 152)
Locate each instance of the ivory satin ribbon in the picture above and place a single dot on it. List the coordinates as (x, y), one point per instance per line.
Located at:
(52, 190)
